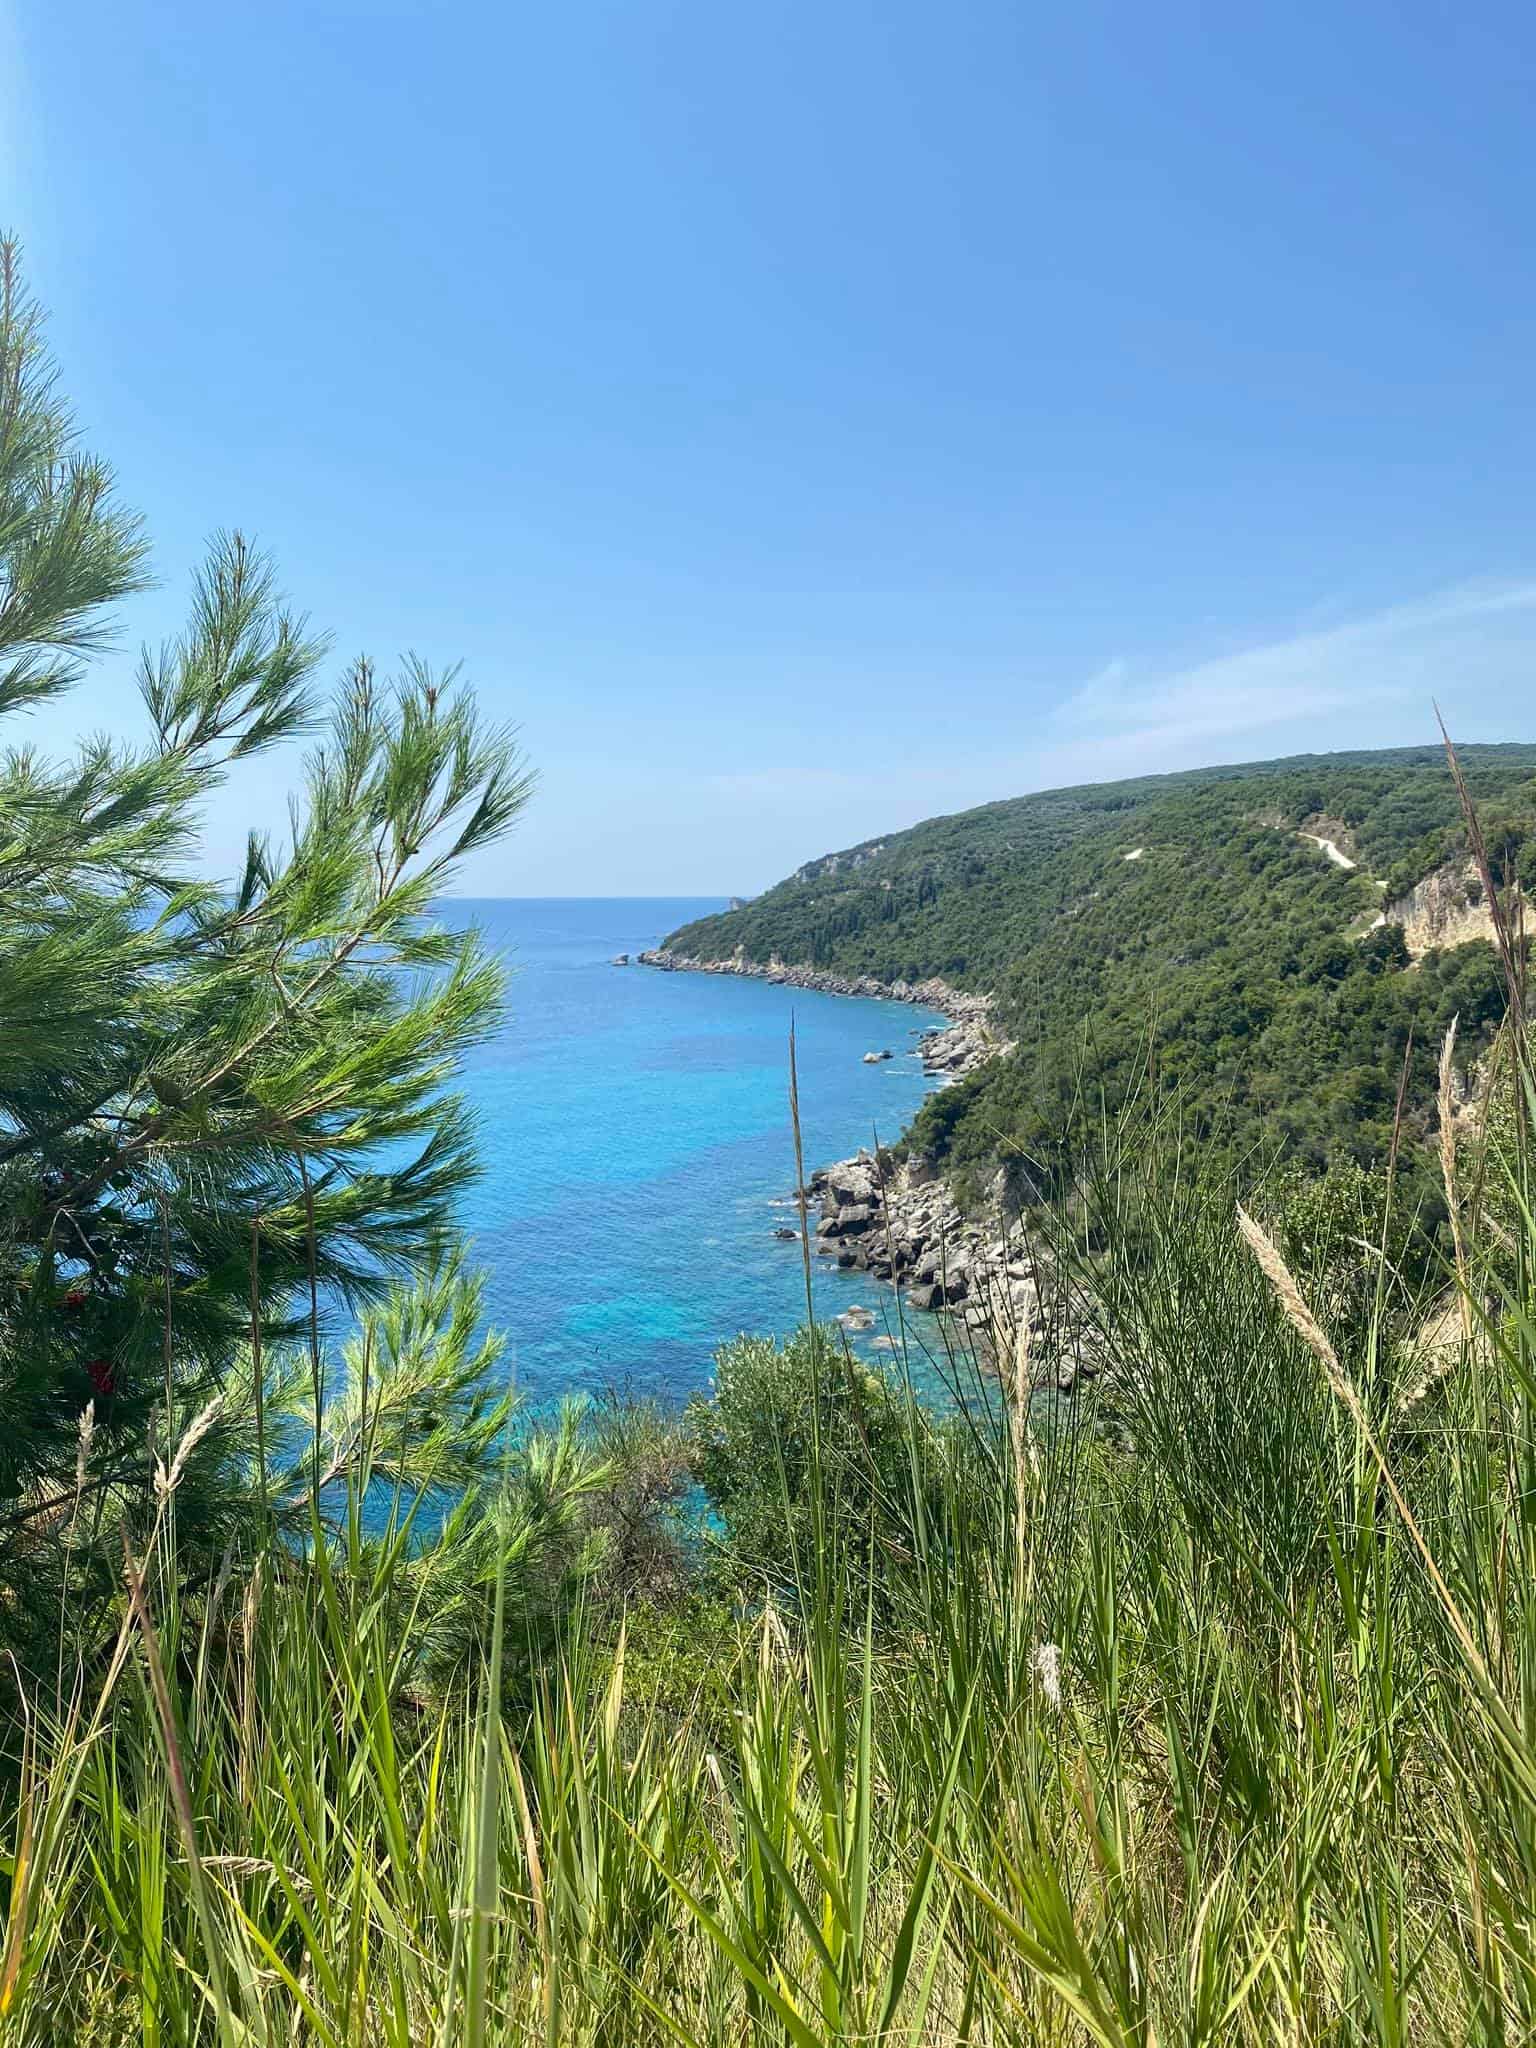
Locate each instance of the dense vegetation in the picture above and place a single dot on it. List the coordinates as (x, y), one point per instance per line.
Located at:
(1231, 957)
(219, 1105)
(983, 1730)
(343, 1707)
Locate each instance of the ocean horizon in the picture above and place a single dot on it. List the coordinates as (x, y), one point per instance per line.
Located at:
(637, 1147)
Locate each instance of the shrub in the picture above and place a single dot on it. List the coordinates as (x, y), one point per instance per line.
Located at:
(816, 1465)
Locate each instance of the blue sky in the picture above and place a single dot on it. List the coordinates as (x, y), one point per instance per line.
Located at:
(803, 418)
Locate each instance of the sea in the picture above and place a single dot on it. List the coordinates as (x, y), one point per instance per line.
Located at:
(638, 1148)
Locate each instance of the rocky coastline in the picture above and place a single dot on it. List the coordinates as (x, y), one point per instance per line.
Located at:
(948, 1052)
(893, 1217)
(896, 1220)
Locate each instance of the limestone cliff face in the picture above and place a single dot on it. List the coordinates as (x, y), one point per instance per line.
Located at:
(1448, 908)
(831, 864)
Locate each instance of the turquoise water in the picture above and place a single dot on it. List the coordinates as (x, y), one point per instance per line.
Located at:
(638, 1151)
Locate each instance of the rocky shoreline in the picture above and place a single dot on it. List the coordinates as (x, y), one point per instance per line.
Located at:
(948, 1052)
(895, 1219)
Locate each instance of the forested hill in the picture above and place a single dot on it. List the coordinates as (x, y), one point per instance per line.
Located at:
(1194, 916)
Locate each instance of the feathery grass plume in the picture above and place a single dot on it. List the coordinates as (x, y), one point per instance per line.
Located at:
(85, 1431)
(1301, 1318)
(1447, 1105)
(1045, 1667)
(250, 1612)
(166, 1483)
(1297, 1313)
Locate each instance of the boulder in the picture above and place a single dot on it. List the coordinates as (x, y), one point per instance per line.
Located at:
(852, 1180)
(787, 1236)
(934, 1294)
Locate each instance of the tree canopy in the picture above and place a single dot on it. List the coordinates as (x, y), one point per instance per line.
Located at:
(221, 1102)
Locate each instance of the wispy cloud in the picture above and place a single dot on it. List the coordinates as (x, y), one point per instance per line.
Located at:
(755, 809)
(1472, 636)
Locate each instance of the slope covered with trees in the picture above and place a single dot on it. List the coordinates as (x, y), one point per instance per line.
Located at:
(1194, 927)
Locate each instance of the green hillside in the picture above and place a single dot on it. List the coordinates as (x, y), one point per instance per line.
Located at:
(1179, 921)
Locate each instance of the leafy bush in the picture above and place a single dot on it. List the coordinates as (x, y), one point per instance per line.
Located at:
(815, 1465)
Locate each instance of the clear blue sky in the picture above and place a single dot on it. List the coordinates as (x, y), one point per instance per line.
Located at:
(806, 417)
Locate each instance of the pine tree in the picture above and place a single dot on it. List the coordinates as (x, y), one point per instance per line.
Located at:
(221, 1106)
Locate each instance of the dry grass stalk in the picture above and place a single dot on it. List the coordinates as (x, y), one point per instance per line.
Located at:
(1018, 1431)
(250, 1616)
(1448, 1173)
(181, 1793)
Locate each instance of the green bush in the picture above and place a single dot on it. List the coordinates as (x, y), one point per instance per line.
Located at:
(815, 1465)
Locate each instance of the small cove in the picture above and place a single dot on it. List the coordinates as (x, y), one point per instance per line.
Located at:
(638, 1151)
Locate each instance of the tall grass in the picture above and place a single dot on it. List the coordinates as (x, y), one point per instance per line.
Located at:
(1216, 1726)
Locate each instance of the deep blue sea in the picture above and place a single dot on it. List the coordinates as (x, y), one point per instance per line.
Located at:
(638, 1149)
